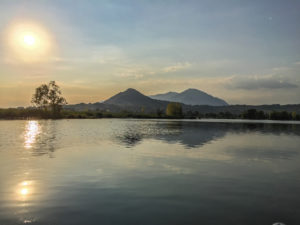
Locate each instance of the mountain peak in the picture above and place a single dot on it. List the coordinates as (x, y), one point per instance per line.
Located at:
(191, 96)
(134, 100)
(127, 97)
(131, 89)
(192, 90)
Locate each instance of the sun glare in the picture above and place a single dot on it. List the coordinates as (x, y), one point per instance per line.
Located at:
(32, 129)
(24, 191)
(29, 40)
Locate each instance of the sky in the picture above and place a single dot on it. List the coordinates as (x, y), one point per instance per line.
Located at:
(245, 52)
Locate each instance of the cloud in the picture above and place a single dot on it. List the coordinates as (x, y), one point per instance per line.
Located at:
(131, 74)
(131, 71)
(176, 67)
(254, 83)
(108, 54)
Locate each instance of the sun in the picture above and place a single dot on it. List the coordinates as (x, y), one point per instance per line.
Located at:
(29, 40)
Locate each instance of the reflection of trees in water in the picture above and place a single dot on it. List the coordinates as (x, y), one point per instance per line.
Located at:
(195, 134)
(46, 140)
(51, 133)
(131, 138)
(129, 135)
(269, 128)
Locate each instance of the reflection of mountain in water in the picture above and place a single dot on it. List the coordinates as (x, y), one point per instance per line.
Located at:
(46, 136)
(188, 134)
(194, 134)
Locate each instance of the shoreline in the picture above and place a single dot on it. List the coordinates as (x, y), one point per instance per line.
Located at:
(203, 120)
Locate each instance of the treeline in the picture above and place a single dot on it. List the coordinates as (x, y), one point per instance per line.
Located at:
(275, 115)
(251, 114)
(89, 114)
(37, 113)
(24, 113)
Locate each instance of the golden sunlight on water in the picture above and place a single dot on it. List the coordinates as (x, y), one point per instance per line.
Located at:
(82, 166)
(24, 190)
(31, 131)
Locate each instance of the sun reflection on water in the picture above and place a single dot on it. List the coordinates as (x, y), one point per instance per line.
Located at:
(31, 131)
(24, 190)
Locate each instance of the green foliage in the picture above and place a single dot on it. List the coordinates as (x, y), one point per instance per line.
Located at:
(174, 109)
(294, 115)
(48, 96)
(253, 114)
(193, 115)
(275, 115)
(39, 113)
(23, 113)
(284, 115)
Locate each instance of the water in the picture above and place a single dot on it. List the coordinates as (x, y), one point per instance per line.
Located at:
(161, 172)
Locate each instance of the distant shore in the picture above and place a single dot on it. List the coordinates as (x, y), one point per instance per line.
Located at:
(35, 113)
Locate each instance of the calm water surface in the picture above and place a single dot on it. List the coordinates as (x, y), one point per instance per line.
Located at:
(156, 172)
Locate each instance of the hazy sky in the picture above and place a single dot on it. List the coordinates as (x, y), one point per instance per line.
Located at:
(246, 52)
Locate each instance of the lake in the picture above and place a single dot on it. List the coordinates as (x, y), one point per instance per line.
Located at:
(156, 172)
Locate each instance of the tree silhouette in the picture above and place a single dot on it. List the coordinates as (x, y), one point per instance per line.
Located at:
(48, 96)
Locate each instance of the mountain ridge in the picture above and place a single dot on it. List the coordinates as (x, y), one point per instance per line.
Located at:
(191, 96)
(134, 100)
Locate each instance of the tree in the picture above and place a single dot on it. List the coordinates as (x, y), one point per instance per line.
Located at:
(294, 115)
(250, 114)
(253, 114)
(48, 96)
(174, 109)
(283, 115)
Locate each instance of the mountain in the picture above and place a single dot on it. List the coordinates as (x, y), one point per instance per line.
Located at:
(133, 100)
(191, 97)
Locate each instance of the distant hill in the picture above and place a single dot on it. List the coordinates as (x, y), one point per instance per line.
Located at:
(191, 97)
(133, 100)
